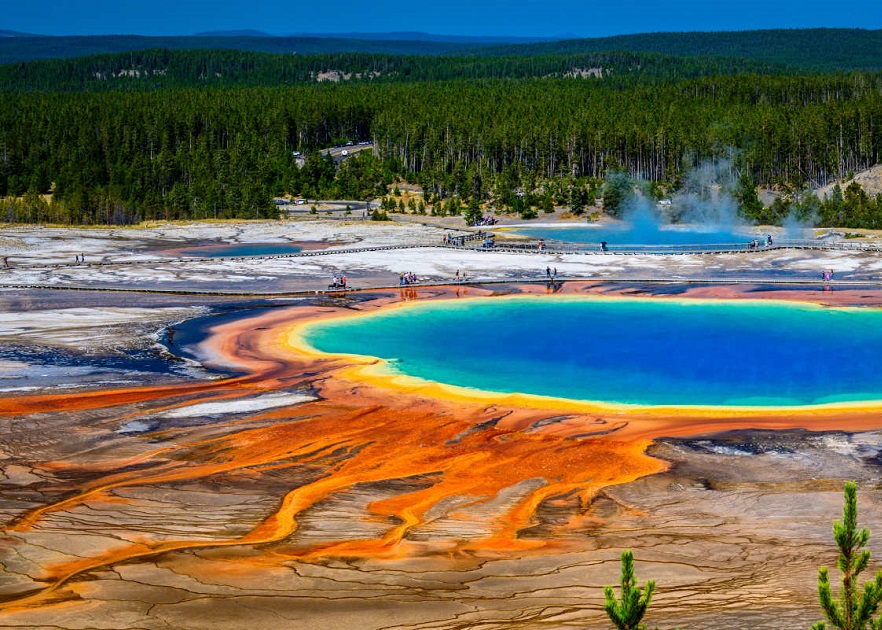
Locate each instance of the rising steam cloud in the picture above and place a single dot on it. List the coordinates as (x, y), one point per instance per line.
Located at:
(704, 204)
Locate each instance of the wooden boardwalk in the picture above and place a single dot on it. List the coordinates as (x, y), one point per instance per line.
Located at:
(504, 247)
(472, 244)
(477, 282)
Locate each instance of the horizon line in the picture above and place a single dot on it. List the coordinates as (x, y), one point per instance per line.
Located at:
(259, 34)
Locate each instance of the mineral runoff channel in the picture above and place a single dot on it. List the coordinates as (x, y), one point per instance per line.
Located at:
(307, 489)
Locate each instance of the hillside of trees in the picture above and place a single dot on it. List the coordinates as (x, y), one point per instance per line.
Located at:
(817, 49)
(14, 49)
(125, 156)
(806, 49)
(162, 69)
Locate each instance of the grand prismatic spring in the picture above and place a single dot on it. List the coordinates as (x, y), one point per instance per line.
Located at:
(486, 474)
(630, 351)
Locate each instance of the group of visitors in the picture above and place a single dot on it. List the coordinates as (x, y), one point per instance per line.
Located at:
(459, 241)
(339, 282)
(550, 273)
(81, 258)
(486, 220)
(755, 243)
(407, 278)
(827, 275)
(450, 239)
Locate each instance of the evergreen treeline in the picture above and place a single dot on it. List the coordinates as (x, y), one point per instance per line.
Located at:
(163, 68)
(13, 49)
(127, 156)
(821, 49)
(816, 49)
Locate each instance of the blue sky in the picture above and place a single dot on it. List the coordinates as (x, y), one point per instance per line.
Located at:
(587, 18)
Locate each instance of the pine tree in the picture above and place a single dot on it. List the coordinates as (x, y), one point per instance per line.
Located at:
(853, 610)
(751, 206)
(618, 188)
(473, 212)
(628, 613)
(547, 202)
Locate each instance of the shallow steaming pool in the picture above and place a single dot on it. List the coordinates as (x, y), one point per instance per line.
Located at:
(626, 234)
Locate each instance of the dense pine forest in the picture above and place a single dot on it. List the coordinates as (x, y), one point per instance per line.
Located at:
(14, 49)
(162, 69)
(819, 49)
(198, 134)
(815, 49)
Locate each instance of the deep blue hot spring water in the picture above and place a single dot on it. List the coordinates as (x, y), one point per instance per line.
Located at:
(627, 350)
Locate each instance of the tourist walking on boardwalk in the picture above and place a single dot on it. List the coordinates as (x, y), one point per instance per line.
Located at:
(6, 261)
(548, 272)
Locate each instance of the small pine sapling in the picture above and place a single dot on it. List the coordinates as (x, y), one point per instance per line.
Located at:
(627, 614)
(853, 610)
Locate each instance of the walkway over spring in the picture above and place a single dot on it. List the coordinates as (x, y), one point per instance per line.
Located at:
(478, 243)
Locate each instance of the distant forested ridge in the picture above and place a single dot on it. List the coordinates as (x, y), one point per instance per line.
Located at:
(162, 69)
(14, 49)
(816, 49)
(806, 49)
(124, 156)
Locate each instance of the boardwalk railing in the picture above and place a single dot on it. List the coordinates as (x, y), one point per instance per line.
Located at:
(556, 284)
(561, 247)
